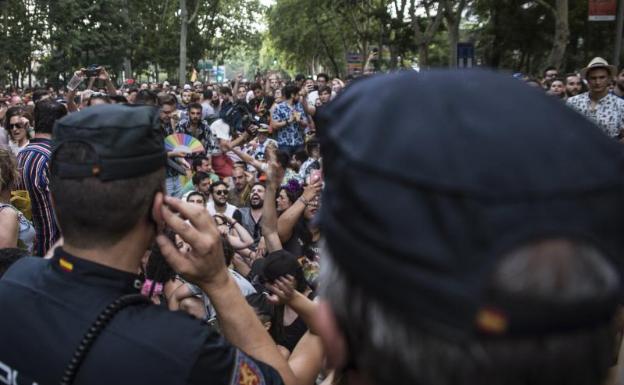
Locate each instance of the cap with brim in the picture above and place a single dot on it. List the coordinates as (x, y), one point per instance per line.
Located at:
(418, 214)
(599, 62)
(127, 141)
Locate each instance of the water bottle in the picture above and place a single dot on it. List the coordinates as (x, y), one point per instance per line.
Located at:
(74, 82)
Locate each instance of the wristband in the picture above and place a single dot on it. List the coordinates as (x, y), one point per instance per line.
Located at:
(302, 200)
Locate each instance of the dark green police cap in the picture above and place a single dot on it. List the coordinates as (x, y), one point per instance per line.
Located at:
(127, 140)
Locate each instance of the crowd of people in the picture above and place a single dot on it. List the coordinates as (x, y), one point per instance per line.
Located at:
(98, 181)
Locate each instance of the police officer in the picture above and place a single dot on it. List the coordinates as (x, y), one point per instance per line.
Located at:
(77, 317)
(476, 239)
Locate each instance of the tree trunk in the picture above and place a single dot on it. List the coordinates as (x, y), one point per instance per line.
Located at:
(453, 39)
(183, 34)
(127, 64)
(330, 55)
(29, 72)
(562, 31)
(393, 57)
(423, 55)
(562, 34)
(495, 53)
(452, 17)
(422, 38)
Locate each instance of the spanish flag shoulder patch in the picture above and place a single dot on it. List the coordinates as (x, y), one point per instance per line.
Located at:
(66, 265)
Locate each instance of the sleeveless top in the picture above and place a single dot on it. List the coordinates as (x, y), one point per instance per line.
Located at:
(26, 234)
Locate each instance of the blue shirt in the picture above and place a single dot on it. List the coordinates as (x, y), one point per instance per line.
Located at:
(292, 134)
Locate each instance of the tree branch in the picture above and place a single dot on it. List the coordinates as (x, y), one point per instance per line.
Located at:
(190, 20)
(414, 21)
(433, 27)
(547, 6)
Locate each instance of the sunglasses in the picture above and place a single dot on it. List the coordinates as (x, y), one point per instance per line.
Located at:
(16, 125)
(220, 192)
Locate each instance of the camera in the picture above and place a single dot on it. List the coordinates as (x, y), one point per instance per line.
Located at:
(92, 71)
(238, 117)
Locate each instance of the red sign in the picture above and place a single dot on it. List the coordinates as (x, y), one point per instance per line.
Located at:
(602, 10)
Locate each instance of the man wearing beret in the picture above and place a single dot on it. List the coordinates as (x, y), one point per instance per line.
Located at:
(496, 257)
(78, 317)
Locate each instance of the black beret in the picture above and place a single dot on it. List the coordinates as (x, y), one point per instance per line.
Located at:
(431, 181)
(128, 141)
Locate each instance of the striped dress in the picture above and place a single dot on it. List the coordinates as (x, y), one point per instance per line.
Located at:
(33, 165)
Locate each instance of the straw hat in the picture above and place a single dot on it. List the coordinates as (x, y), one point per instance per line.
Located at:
(599, 62)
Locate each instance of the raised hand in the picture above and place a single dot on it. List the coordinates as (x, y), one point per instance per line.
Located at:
(103, 75)
(283, 290)
(312, 190)
(203, 263)
(274, 172)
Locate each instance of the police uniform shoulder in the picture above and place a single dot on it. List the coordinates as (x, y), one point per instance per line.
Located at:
(161, 330)
(26, 266)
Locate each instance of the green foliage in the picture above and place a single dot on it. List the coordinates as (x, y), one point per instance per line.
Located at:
(509, 34)
(65, 35)
(83, 32)
(310, 36)
(305, 32)
(20, 26)
(53, 38)
(517, 35)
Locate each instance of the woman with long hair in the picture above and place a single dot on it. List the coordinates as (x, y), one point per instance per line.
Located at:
(15, 229)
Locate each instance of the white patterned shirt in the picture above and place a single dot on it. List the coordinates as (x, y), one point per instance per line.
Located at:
(608, 113)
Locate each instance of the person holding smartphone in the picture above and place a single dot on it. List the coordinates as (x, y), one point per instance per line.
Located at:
(18, 128)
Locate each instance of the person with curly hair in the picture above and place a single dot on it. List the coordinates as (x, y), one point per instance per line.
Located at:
(15, 229)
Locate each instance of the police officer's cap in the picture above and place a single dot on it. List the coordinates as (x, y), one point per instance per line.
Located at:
(445, 172)
(127, 140)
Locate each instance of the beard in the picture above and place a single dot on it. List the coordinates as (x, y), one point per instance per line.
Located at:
(257, 205)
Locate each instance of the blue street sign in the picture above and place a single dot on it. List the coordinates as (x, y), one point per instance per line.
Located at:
(465, 55)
